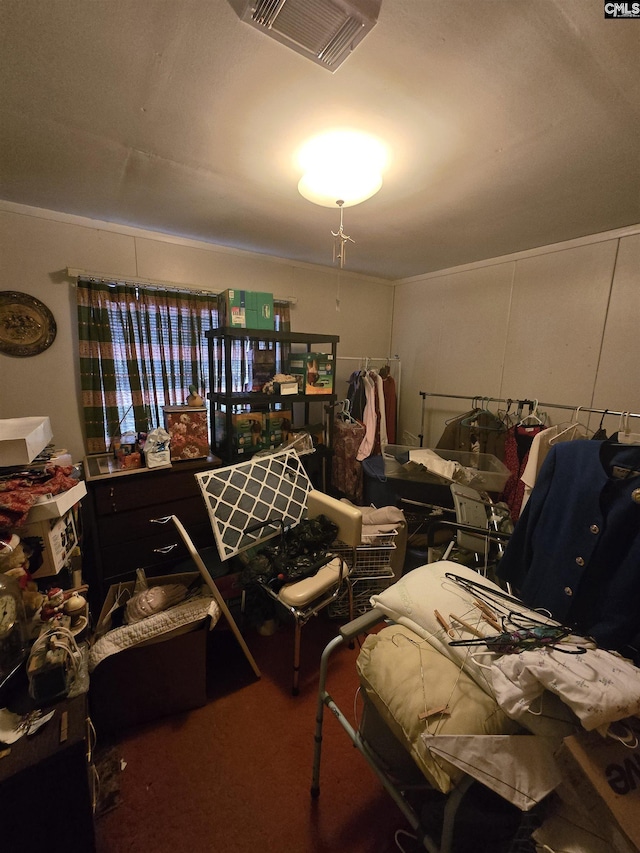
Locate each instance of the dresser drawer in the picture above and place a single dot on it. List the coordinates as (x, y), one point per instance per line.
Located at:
(160, 551)
(119, 535)
(123, 527)
(140, 490)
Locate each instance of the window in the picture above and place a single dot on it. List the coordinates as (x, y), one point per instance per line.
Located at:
(140, 349)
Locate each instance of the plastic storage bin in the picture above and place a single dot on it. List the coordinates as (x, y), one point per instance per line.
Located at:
(485, 472)
(381, 489)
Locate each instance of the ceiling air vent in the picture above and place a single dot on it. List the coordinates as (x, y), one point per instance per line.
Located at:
(325, 31)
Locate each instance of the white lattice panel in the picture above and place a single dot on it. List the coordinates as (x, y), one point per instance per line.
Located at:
(243, 495)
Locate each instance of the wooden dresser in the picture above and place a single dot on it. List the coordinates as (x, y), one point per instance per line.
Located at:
(119, 535)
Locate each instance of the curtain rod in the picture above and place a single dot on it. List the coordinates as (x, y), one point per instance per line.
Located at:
(526, 402)
(154, 283)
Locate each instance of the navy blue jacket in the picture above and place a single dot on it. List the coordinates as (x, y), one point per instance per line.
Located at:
(575, 550)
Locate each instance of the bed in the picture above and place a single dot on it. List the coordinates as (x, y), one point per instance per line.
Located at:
(443, 708)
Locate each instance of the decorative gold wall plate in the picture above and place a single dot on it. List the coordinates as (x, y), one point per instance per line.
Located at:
(27, 326)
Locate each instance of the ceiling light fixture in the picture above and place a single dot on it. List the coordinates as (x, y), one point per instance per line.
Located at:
(342, 167)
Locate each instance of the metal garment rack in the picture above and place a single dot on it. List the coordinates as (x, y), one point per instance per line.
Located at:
(365, 360)
(520, 402)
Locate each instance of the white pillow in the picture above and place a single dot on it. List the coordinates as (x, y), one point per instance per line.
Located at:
(402, 675)
(412, 602)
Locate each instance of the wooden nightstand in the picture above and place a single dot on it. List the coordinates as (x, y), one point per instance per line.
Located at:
(46, 784)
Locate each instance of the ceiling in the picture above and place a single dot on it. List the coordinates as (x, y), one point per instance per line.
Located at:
(512, 124)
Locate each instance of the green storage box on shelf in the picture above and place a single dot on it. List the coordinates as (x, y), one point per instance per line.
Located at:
(245, 309)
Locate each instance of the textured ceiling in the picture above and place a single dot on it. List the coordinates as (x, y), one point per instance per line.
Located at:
(512, 124)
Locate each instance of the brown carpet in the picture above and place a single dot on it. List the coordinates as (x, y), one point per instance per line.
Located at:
(235, 775)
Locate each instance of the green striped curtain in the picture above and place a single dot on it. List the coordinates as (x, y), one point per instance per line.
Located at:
(140, 349)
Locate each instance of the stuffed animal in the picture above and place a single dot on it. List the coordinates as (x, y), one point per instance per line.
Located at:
(14, 561)
(194, 398)
(13, 554)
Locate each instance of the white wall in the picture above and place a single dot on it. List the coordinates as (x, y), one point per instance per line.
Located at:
(558, 324)
(37, 246)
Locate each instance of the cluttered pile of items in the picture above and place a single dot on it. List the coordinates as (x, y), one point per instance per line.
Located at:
(43, 606)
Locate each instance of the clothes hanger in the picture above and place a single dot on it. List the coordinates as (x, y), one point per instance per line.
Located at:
(601, 434)
(506, 416)
(471, 419)
(344, 413)
(625, 436)
(532, 419)
(569, 432)
(460, 417)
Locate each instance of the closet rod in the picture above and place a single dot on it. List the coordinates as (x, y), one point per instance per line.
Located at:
(368, 357)
(425, 394)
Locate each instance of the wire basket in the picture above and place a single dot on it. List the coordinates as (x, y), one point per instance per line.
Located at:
(362, 592)
(371, 573)
(372, 558)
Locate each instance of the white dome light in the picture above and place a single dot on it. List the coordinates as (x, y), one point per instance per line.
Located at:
(341, 166)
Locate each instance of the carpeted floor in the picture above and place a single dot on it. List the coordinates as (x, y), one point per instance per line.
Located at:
(235, 775)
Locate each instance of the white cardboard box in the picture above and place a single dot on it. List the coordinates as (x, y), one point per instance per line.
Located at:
(21, 439)
(56, 538)
(57, 505)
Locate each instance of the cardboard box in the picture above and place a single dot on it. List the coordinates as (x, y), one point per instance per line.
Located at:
(247, 431)
(603, 775)
(278, 427)
(264, 366)
(53, 539)
(21, 439)
(189, 431)
(57, 505)
(245, 309)
(314, 371)
(163, 676)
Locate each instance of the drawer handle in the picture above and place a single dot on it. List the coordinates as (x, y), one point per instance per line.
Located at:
(166, 549)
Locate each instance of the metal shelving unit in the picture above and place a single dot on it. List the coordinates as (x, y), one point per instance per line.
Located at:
(225, 403)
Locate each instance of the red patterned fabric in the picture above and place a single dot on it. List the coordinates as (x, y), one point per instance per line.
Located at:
(516, 454)
(18, 494)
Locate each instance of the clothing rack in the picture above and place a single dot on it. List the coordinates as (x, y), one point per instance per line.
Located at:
(520, 402)
(368, 358)
(365, 363)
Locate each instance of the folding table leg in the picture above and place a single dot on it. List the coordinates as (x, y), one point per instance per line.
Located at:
(212, 586)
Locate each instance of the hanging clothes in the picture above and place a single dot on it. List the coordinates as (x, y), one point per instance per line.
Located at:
(356, 395)
(542, 443)
(369, 418)
(382, 438)
(477, 428)
(390, 405)
(517, 445)
(374, 417)
(575, 550)
(346, 471)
